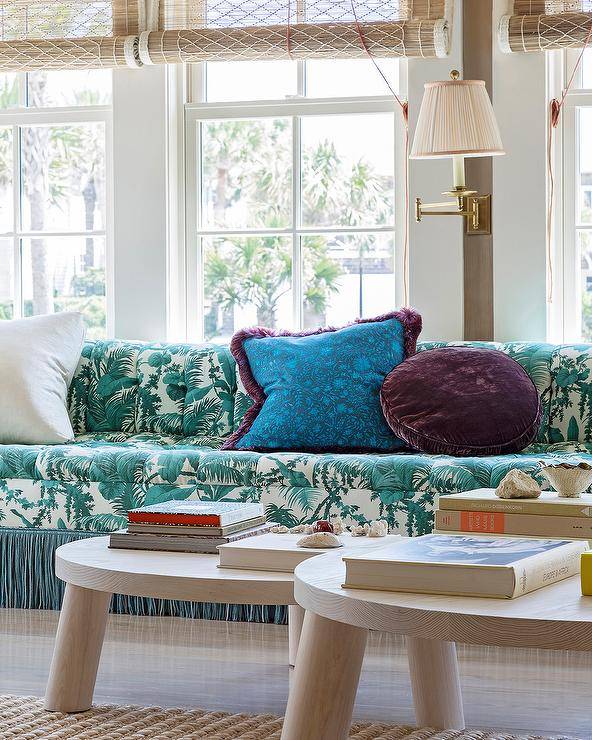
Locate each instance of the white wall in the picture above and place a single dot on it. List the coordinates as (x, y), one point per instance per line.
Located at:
(436, 244)
(519, 194)
(140, 228)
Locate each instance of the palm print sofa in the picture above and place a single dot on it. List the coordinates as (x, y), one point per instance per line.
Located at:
(149, 422)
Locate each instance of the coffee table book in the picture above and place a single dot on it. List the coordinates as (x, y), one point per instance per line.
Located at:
(173, 542)
(280, 553)
(548, 504)
(462, 565)
(193, 529)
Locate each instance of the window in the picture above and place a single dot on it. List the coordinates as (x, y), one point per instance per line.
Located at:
(290, 195)
(54, 194)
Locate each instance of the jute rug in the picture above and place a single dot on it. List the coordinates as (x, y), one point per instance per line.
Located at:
(24, 718)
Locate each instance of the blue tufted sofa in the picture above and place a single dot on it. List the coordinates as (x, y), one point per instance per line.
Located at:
(150, 419)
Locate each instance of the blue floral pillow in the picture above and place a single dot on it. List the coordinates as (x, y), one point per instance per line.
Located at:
(320, 390)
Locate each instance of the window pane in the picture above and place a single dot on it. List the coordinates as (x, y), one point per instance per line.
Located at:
(66, 274)
(227, 81)
(9, 90)
(346, 277)
(247, 281)
(247, 173)
(340, 78)
(585, 177)
(348, 170)
(6, 192)
(69, 88)
(6, 279)
(63, 177)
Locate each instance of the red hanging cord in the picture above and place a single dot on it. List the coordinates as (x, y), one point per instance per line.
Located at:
(405, 112)
(556, 107)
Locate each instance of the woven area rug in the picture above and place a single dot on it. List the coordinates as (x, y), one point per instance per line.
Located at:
(24, 717)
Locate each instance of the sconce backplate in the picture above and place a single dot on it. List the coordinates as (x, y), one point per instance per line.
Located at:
(484, 203)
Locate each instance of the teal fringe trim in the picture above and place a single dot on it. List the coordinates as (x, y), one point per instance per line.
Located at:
(27, 581)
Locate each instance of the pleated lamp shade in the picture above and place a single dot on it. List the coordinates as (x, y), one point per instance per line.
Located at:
(456, 119)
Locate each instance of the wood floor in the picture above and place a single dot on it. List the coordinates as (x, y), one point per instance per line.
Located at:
(243, 667)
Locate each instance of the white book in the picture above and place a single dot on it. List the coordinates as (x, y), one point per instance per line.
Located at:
(279, 552)
(464, 565)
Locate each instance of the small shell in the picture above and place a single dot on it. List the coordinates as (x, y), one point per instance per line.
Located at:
(308, 529)
(280, 529)
(319, 540)
(361, 530)
(338, 527)
(297, 529)
(378, 528)
(570, 481)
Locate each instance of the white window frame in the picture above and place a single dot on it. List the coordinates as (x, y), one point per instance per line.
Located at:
(564, 320)
(21, 117)
(190, 282)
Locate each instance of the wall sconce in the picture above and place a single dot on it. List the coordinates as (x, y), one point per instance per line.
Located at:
(456, 120)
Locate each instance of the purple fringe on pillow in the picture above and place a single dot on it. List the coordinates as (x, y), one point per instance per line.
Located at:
(409, 319)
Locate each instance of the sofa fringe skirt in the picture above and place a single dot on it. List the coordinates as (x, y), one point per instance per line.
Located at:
(28, 581)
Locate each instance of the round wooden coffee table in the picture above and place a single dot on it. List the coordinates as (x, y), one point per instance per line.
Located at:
(93, 573)
(336, 627)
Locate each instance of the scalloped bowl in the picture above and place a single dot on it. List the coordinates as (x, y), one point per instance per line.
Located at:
(570, 481)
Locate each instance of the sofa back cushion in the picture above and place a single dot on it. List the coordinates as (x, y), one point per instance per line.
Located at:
(570, 417)
(172, 389)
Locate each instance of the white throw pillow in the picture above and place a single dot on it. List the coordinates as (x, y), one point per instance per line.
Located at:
(38, 358)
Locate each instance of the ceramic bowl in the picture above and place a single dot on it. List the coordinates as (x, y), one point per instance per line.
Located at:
(570, 481)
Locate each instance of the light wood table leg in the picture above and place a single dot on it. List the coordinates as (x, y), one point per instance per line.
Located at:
(295, 620)
(325, 681)
(77, 650)
(435, 683)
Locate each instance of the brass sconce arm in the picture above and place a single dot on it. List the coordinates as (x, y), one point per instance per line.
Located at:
(475, 208)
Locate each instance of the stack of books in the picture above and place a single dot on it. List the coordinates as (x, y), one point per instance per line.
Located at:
(482, 512)
(190, 526)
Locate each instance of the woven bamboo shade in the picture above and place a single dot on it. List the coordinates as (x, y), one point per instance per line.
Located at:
(545, 25)
(77, 34)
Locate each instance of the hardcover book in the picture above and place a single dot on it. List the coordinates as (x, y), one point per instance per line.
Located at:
(461, 565)
(194, 512)
(192, 529)
(548, 504)
(498, 522)
(279, 552)
(125, 540)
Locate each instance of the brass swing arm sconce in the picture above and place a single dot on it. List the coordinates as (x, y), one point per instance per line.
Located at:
(475, 208)
(456, 120)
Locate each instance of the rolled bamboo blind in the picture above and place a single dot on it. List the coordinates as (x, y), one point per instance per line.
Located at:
(76, 34)
(545, 25)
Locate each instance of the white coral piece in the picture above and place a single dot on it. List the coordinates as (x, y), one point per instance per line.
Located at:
(298, 529)
(516, 484)
(361, 530)
(280, 529)
(323, 540)
(378, 528)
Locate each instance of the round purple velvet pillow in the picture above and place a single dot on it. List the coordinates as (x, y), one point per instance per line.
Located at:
(462, 401)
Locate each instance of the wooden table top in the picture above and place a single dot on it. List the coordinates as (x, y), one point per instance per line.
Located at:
(554, 617)
(90, 563)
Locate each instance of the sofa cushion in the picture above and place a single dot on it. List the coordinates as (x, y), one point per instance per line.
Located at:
(161, 388)
(320, 389)
(107, 462)
(113, 387)
(462, 401)
(571, 401)
(210, 378)
(535, 358)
